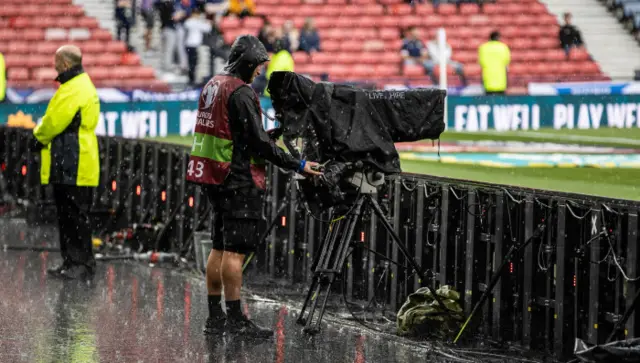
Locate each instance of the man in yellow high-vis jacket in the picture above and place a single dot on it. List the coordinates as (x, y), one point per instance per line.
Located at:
(3, 78)
(70, 160)
(494, 57)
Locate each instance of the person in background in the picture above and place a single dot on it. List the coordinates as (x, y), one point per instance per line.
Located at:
(241, 8)
(3, 78)
(215, 41)
(433, 49)
(182, 12)
(165, 9)
(265, 35)
(146, 10)
(309, 38)
(569, 35)
(124, 20)
(196, 27)
(291, 37)
(230, 146)
(494, 57)
(70, 161)
(216, 7)
(413, 50)
(281, 61)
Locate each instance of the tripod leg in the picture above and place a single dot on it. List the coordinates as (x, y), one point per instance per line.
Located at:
(320, 264)
(417, 268)
(328, 267)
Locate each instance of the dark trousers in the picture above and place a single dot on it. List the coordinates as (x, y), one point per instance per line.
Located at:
(72, 205)
(214, 53)
(192, 57)
(123, 29)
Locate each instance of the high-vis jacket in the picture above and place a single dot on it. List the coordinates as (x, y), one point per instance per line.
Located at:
(67, 131)
(281, 61)
(212, 150)
(494, 57)
(3, 78)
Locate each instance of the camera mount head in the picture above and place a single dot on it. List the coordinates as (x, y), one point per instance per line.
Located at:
(367, 181)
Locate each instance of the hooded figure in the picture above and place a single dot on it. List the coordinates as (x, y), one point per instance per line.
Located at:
(227, 159)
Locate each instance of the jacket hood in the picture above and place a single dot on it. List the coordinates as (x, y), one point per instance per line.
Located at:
(247, 53)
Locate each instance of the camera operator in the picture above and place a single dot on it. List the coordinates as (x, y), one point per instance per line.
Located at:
(229, 143)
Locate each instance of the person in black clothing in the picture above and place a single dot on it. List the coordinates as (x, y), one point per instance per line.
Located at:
(266, 35)
(569, 35)
(215, 41)
(165, 9)
(124, 15)
(229, 113)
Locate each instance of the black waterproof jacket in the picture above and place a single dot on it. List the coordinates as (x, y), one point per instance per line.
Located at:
(250, 140)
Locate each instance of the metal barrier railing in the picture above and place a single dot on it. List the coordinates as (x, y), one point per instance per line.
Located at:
(575, 281)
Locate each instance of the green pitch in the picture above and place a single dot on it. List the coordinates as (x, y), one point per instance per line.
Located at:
(614, 183)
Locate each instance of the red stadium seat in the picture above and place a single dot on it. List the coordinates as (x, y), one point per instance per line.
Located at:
(87, 22)
(390, 58)
(424, 9)
(17, 74)
(386, 70)
(330, 46)
(38, 61)
(128, 59)
(46, 48)
(44, 74)
(109, 60)
(348, 58)
(591, 68)
(472, 70)
(547, 43)
(388, 33)
(579, 55)
(399, 9)
(66, 22)
(322, 57)
(252, 22)
(338, 70)
(413, 70)
(362, 71)
(19, 47)
(230, 22)
(116, 47)
(301, 58)
(468, 9)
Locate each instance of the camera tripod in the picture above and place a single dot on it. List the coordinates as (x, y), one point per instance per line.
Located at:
(327, 267)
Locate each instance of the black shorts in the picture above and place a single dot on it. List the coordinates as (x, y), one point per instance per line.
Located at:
(237, 220)
(149, 18)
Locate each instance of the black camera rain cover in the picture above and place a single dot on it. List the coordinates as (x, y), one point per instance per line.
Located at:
(348, 124)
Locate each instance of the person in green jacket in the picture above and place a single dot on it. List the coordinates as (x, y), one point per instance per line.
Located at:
(280, 61)
(3, 78)
(494, 57)
(70, 160)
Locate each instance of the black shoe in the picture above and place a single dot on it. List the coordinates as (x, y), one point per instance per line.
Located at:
(56, 271)
(77, 272)
(215, 325)
(244, 326)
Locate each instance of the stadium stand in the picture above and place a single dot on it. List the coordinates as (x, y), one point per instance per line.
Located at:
(628, 13)
(361, 39)
(32, 30)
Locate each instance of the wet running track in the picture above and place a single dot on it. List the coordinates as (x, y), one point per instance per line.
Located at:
(133, 312)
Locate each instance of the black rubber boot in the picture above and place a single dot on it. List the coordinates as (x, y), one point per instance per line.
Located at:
(215, 325)
(245, 327)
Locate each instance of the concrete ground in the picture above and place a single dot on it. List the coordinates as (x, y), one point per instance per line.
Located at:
(133, 312)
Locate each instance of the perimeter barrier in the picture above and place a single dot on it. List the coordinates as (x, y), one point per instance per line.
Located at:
(575, 281)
